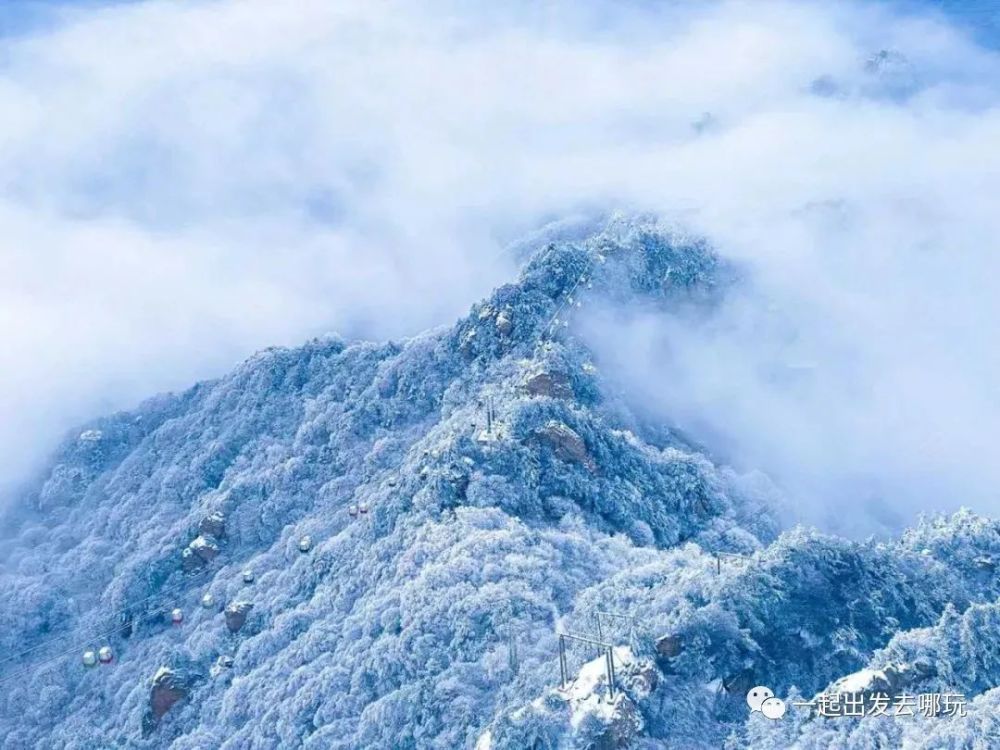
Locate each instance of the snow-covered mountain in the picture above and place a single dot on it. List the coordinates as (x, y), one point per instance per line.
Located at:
(466, 495)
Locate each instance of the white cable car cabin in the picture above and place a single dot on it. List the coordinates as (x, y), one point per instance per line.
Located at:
(177, 616)
(248, 576)
(305, 543)
(207, 601)
(89, 658)
(105, 655)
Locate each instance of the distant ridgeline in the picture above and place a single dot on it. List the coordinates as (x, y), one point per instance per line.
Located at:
(377, 545)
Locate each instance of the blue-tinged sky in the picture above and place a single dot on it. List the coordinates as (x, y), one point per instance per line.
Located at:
(20, 17)
(982, 16)
(182, 183)
(24, 16)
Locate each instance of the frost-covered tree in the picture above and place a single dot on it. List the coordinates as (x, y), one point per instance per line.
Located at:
(467, 493)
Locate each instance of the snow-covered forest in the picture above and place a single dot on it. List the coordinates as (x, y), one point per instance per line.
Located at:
(467, 494)
(447, 375)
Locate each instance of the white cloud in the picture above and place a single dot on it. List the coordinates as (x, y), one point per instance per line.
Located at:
(181, 184)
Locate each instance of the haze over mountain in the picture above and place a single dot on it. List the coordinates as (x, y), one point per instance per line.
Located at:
(182, 184)
(623, 291)
(467, 493)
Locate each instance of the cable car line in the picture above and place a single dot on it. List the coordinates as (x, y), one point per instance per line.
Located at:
(90, 634)
(54, 658)
(170, 590)
(562, 305)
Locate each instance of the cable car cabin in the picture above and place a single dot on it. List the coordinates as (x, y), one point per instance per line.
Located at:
(207, 601)
(363, 508)
(89, 658)
(353, 510)
(105, 655)
(177, 616)
(305, 543)
(248, 576)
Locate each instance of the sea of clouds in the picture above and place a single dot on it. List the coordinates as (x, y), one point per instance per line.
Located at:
(182, 184)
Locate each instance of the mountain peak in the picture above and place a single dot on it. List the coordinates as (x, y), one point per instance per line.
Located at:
(467, 494)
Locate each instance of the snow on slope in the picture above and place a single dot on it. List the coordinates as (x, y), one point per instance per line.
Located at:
(393, 630)
(957, 656)
(510, 493)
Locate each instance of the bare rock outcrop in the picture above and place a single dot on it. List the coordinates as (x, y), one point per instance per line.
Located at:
(669, 646)
(205, 547)
(213, 525)
(236, 615)
(504, 323)
(199, 553)
(551, 384)
(169, 687)
(566, 444)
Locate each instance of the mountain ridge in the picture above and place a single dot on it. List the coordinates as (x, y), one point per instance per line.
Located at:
(507, 493)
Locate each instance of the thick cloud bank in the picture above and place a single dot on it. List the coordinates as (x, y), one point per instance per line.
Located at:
(181, 184)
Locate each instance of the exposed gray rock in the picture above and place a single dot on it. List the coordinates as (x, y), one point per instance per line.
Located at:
(213, 525)
(504, 323)
(740, 683)
(669, 646)
(467, 344)
(191, 562)
(552, 384)
(236, 615)
(566, 444)
(201, 551)
(168, 689)
(205, 547)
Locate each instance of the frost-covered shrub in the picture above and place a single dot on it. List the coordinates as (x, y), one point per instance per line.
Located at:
(430, 616)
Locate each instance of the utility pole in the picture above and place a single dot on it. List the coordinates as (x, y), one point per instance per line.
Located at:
(731, 555)
(512, 659)
(606, 648)
(600, 615)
